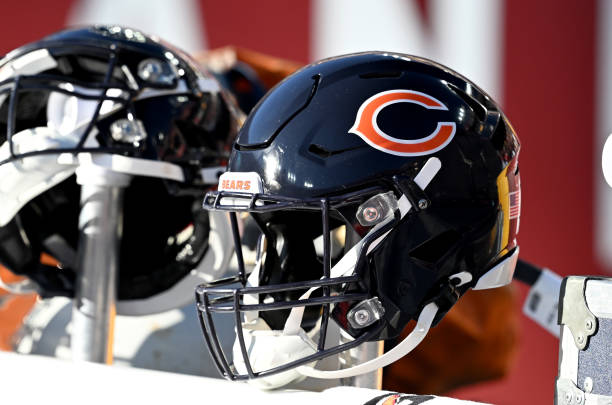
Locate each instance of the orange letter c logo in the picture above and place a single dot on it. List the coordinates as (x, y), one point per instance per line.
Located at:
(366, 128)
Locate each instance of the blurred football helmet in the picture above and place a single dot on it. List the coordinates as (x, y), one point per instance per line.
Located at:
(117, 98)
(384, 187)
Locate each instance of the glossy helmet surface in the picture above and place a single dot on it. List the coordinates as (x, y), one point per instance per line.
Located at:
(117, 98)
(385, 186)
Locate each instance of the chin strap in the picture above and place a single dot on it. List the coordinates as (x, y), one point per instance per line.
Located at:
(411, 341)
(426, 318)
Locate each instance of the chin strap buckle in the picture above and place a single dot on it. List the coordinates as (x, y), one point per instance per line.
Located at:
(449, 293)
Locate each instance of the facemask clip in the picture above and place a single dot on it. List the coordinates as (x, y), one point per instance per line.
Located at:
(415, 194)
(376, 209)
(128, 131)
(365, 313)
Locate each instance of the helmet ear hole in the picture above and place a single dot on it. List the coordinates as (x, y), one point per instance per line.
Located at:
(435, 248)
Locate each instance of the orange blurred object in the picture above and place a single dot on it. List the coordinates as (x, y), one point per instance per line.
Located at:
(476, 341)
(269, 69)
(13, 309)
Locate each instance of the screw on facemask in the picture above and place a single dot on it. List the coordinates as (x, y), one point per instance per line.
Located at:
(365, 313)
(377, 209)
(415, 194)
(155, 71)
(128, 131)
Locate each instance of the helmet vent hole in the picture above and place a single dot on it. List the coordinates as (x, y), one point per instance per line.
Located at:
(320, 151)
(435, 248)
(475, 105)
(324, 153)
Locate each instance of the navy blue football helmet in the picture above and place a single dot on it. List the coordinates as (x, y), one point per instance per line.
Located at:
(384, 186)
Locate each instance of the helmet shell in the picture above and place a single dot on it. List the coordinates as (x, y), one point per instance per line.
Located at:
(301, 140)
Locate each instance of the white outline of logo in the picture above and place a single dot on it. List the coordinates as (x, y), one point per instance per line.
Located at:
(437, 105)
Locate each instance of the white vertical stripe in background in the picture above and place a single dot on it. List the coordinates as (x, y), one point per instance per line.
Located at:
(345, 26)
(602, 211)
(468, 37)
(465, 35)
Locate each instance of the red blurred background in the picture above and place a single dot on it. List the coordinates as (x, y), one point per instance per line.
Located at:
(548, 58)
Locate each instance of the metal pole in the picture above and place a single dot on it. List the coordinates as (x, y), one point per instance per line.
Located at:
(361, 354)
(100, 223)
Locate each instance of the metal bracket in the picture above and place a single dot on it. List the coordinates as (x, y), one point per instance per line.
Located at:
(567, 393)
(415, 194)
(574, 311)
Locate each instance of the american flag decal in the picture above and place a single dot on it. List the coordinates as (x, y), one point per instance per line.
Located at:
(515, 204)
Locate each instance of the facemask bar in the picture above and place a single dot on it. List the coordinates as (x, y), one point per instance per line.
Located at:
(261, 203)
(13, 85)
(326, 273)
(207, 304)
(230, 297)
(30, 82)
(265, 203)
